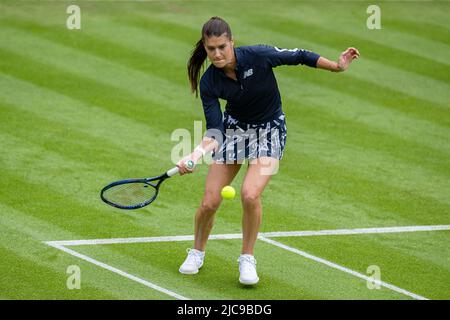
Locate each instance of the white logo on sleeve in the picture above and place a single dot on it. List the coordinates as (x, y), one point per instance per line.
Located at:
(248, 73)
(282, 50)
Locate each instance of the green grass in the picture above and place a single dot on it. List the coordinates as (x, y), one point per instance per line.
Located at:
(366, 148)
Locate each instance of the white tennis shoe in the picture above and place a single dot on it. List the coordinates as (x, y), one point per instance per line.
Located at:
(193, 262)
(247, 269)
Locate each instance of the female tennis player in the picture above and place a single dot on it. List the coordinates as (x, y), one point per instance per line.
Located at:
(252, 128)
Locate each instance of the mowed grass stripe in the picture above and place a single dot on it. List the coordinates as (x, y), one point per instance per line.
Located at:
(122, 132)
(80, 184)
(411, 49)
(423, 29)
(311, 120)
(377, 73)
(437, 13)
(145, 22)
(60, 199)
(369, 126)
(417, 206)
(138, 88)
(124, 164)
(414, 261)
(141, 110)
(38, 233)
(329, 191)
(412, 107)
(70, 199)
(383, 169)
(333, 180)
(69, 141)
(307, 201)
(131, 51)
(25, 234)
(31, 280)
(370, 48)
(392, 191)
(350, 106)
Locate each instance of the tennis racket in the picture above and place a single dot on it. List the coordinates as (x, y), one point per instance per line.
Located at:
(136, 193)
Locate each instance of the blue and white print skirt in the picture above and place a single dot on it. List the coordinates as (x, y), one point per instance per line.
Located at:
(251, 141)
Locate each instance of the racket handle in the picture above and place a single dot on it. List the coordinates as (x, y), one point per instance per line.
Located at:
(173, 171)
(189, 164)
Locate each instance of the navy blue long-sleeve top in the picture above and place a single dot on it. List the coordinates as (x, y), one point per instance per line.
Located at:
(254, 97)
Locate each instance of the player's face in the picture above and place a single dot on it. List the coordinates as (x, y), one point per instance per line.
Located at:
(220, 50)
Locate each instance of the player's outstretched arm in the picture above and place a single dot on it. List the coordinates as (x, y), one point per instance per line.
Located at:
(343, 62)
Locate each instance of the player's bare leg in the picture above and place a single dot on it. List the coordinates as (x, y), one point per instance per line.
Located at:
(219, 176)
(256, 179)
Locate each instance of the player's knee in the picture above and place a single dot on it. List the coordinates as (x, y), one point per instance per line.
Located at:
(210, 205)
(249, 197)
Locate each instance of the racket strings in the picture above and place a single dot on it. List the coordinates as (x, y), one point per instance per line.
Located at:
(130, 194)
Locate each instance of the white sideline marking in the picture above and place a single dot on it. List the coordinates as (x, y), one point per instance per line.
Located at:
(264, 234)
(61, 245)
(338, 267)
(120, 272)
(141, 240)
(355, 231)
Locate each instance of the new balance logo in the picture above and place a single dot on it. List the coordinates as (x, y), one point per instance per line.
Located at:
(248, 73)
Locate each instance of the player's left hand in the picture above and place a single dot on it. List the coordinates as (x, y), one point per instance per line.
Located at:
(347, 57)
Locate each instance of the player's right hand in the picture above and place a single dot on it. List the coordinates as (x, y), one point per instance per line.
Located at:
(183, 164)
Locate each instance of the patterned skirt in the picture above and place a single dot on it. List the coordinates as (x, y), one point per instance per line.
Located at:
(251, 141)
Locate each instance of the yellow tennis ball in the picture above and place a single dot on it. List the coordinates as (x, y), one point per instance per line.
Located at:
(228, 192)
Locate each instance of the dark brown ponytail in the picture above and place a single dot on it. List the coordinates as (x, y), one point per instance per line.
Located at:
(213, 27)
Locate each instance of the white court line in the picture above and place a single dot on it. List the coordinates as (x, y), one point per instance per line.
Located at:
(141, 240)
(61, 245)
(263, 234)
(119, 272)
(338, 267)
(355, 231)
